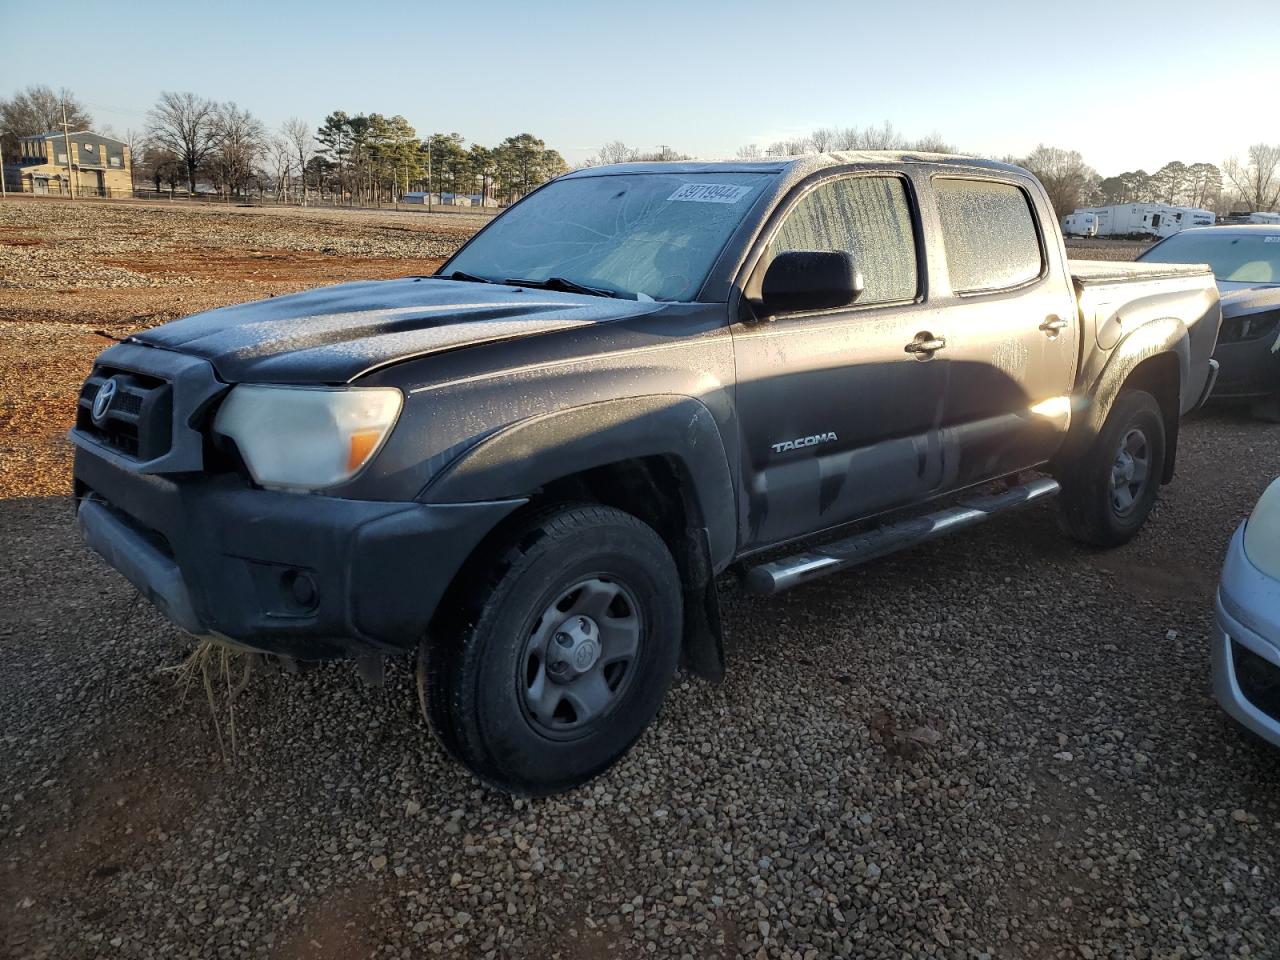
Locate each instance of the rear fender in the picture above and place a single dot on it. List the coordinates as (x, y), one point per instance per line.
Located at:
(1149, 355)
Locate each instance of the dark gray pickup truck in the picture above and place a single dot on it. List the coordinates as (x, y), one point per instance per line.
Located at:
(531, 468)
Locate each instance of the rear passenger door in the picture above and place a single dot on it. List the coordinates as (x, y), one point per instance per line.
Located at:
(838, 421)
(1012, 331)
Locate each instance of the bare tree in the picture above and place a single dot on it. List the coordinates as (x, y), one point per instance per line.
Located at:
(303, 146)
(1069, 181)
(186, 126)
(615, 151)
(933, 143)
(240, 138)
(883, 137)
(281, 155)
(134, 141)
(845, 138)
(1257, 179)
(823, 139)
(38, 109)
(751, 151)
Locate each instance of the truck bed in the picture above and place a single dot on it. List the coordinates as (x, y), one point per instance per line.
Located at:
(1086, 272)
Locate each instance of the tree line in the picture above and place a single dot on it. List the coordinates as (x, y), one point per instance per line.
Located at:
(1251, 182)
(366, 158)
(369, 158)
(190, 140)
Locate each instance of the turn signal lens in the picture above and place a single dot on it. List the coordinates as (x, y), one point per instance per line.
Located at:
(363, 443)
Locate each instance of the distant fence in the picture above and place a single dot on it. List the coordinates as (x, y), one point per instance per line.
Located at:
(40, 189)
(323, 201)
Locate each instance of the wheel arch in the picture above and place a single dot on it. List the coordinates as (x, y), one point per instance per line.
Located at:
(659, 458)
(1155, 357)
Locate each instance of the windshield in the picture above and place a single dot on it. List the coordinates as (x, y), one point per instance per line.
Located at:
(1235, 257)
(649, 234)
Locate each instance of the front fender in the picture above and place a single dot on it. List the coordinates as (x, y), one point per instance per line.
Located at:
(534, 452)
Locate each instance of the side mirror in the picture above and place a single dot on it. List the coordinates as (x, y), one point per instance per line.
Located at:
(810, 280)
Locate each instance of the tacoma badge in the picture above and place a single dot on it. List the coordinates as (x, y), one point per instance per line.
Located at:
(799, 442)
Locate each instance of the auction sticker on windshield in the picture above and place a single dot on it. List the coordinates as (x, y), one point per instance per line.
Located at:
(710, 193)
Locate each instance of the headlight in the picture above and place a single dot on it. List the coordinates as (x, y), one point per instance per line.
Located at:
(307, 438)
(1262, 533)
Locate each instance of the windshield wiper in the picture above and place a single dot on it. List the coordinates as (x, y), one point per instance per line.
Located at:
(465, 277)
(564, 284)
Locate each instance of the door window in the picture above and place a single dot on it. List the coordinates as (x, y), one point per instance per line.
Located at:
(868, 217)
(989, 234)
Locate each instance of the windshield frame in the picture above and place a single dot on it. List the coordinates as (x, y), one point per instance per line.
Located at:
(714, 286)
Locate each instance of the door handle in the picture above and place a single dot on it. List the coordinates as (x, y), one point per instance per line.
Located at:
(1053, 325)
(925, 345)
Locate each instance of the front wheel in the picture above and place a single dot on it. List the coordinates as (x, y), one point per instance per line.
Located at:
(562, 651)
(1108, 493)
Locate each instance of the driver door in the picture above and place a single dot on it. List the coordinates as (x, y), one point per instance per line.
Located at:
(839, 421)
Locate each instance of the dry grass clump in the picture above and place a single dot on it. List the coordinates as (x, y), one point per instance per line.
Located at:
(224, 671)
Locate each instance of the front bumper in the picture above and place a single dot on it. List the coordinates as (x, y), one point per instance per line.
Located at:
(1246, 645)
(300, 575)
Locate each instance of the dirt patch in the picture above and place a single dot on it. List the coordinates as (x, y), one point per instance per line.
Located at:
(108, 821)
(1156, 582)
(73, 269)
(335, 928)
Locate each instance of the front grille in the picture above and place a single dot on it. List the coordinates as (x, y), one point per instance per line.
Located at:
(1253, 327)
(1259, 679)
(138, 421)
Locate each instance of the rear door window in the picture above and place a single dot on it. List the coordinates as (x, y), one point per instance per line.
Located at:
(867, 217)
(989, 233)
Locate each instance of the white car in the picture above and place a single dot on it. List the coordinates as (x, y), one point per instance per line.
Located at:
(1246, 649)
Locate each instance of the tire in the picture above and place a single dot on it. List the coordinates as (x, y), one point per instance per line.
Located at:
(1102, 504)
(508, 682)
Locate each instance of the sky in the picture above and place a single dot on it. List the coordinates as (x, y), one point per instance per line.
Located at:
(1129, 83)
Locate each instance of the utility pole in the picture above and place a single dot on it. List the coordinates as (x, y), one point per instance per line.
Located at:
(66, 139)
(4, 187)
(429, 145)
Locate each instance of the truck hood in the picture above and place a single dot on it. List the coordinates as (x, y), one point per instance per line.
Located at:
(336, 334)
(1242, 301)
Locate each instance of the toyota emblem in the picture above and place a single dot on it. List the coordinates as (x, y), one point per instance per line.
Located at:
(102, 402)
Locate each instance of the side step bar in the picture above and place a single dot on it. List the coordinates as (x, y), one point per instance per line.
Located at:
(778, 575)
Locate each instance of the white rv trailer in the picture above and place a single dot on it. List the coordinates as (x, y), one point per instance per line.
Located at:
(1080, 224)
(1151, 219)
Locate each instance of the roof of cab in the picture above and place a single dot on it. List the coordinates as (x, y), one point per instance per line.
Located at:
(798, 166)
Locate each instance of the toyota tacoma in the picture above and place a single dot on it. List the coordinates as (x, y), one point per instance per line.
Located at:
(530, 468)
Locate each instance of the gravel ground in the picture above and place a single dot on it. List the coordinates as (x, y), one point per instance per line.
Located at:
(998, 745)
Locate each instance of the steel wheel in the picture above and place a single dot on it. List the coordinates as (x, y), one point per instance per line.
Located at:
(1130, 471)
(576, 664)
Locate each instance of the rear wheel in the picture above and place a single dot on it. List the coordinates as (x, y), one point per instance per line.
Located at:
(561, 653)
(1108, 493)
